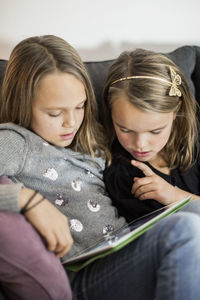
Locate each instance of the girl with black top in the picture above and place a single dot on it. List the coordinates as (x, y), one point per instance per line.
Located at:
(154, 122)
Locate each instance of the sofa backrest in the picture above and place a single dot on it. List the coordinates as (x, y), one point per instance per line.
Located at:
(186, 57)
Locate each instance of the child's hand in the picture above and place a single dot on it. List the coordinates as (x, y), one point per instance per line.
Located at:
(153, 186)
(50, 223)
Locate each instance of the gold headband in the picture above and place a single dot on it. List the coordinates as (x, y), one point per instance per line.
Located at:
(176, 80)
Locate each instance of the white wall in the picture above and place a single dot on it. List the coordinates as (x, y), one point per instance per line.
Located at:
(100, 29)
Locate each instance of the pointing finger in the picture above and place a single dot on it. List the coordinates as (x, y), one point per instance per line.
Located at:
(144, 168)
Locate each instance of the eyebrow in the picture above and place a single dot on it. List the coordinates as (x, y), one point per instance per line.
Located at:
(159, 128)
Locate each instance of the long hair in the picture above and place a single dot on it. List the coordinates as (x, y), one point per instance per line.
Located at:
(151, 95)
(30, 61)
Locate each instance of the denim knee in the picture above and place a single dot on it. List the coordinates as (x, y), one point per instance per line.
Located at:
(178, 257)
(179, 227)
(192, 206)
(187, 223)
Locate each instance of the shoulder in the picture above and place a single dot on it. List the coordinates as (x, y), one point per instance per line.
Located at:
(13, 149)
(17, 134)
(191, 178)
(195, 167)
(10, 136)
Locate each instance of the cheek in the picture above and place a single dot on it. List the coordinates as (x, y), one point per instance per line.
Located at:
(160, 142)
(124, 139)
(48, 123)
(81, 117)
(47, 126)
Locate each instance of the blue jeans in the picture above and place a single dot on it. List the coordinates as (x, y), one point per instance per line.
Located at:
(162, 264)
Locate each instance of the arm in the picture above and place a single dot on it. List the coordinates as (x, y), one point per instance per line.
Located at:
(12, 152)
(153, 186)
(9, 197)
(57, 234)
(49, 221)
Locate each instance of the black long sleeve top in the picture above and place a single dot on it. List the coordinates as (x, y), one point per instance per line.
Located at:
(119, 176)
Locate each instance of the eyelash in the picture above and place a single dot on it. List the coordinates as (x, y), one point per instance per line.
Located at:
(54, 116)
(124, 130)
(127, 131)
(81, 107)
(156, 132)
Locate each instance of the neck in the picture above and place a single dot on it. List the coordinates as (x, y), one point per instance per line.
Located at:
(160, 163)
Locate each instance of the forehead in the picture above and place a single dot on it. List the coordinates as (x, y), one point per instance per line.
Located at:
(59, 89)
(125, 114)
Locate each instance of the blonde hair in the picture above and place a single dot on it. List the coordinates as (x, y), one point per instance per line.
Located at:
(147, 94)
(30, 61)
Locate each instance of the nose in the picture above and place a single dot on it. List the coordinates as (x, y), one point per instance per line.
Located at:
(69, 120)
(140, 142)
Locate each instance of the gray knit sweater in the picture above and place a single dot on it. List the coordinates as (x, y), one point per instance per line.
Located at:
(72, 181)
(9, 197)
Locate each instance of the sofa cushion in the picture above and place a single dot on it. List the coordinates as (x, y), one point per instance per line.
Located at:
(196, 74)
(185, 59)
(3, 64)
(98, 71)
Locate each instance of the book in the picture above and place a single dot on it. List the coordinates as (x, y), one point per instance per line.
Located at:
(121, 237)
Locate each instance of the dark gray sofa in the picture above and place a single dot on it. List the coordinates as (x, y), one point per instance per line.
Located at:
(186, 57)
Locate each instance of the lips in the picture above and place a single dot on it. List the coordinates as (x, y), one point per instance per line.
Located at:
(67, 136)
(141, 154)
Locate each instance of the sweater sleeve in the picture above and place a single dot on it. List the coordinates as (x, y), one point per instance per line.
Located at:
(9, 197)
(12, 152)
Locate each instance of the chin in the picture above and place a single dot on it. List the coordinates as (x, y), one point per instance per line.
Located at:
(143, 159)
(63, 145)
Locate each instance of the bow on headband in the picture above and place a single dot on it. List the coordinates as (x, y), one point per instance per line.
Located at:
(176, 80)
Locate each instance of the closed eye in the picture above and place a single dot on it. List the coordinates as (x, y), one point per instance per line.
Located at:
(124, 130)
(54, 115)
(82, 105)
(156, 131)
